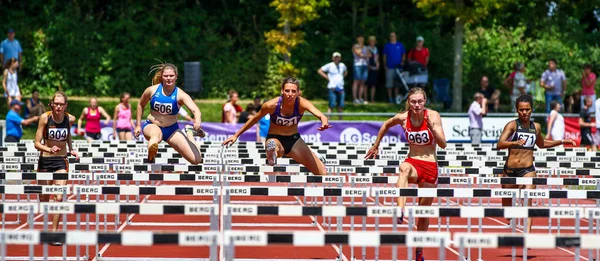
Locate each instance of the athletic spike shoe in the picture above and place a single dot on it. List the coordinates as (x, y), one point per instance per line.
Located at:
(419, 256)
(320, 157)
(152, 152)
(401, 218)
(56, 243)
(190, 129)
(271, 153)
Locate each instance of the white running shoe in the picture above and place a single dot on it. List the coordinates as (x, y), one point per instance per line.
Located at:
(271, 153)
(200, 133)
(320, 157)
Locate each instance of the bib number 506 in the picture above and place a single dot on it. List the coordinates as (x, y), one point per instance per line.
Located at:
(163, 108)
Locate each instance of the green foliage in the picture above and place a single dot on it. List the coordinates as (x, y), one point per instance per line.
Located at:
(44, 77)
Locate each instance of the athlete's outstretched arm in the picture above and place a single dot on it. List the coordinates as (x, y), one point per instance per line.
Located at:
(542, 143)
(503, 142)
(267, 108)
(140, 110)
(307, 105)
(190, 104)
(434, 123)
(398, 119)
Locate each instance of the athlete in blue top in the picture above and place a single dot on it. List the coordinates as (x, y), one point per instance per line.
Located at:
(283, 138)
(165, 100)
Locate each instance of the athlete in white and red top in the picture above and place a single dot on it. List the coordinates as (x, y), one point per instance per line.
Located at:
(423, 129)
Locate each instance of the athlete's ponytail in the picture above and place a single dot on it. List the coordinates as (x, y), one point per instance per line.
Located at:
(158, 70)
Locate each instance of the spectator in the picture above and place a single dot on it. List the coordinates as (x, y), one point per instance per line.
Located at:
(586, 124)
(568, 101)
(245, 115)
(394, 56)
(257, 103)
(576, 105)
(361, 70)
(231, 110)
(123, 124)
(9, 81)
(93, 130)
(588, 84)
(491, 94)
(373, 69)
(476, 112)
(597, 115)
(34, 106)
(334, 72)
(556, 123)
(262, 128)
(554, 82)
(14, 132)
(10, 48)
(419, 54)
(519, 83)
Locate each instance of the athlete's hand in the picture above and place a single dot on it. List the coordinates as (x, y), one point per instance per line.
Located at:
(372, 153)
(137, 131)
(54, 149)
(547, 136)
(520, 142)
(569, 141)
(230, 141)
(324, 127)
(429, 123)
(197, 126)
(74, 154)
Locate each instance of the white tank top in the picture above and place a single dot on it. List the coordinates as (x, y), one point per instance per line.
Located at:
(11, 82)
(558, 127)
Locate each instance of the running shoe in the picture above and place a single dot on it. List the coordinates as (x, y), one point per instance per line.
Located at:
(401, 218)
(271, 153)
(190, 129)
(152, 152)
(320, 157)
(56, 243)
(419, 256)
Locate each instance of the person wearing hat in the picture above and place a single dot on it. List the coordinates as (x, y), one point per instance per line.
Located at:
(10, 48)
(14, 132)
(476, 112)
(419, 54)
(334, 72)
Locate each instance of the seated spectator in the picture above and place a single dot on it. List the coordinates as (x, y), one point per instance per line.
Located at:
(14, 131)
(576, 104)
(419, 54)
(231, 110)
(245, 115)
(34, 106)
(491, 94)
(568, 103)
(257, 103)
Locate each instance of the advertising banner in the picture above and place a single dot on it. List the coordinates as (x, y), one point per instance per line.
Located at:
(456, 129)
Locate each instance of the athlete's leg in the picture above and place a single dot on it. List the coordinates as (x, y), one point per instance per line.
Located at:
(58, 198)
(304, 155)
(529, 201)
(423, 223)
(154, 135)
(507, 202)
(274, 150)
(128, 135)
(44, 197)
(408, 174)
(186, 147)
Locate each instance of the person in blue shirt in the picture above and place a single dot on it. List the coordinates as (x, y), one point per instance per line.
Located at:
(10, 48)
(14, 121)
(262, 128)
(394, 56)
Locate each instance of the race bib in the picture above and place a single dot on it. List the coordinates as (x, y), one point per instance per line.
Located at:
(163, 108)
(418, 137)
(57, 134)
(529, 139)
(287, 122)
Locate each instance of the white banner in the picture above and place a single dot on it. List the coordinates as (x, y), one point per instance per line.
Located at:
(456, 129)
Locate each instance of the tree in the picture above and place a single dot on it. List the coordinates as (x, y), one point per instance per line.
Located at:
(464, 12)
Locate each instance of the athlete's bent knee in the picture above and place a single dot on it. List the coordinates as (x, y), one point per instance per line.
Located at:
(58, 198)
(405, 170)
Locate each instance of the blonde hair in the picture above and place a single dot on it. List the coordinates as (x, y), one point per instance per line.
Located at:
(57, 94)
(158, 70)
(412, 92)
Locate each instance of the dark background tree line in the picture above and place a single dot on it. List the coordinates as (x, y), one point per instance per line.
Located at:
(102, 48)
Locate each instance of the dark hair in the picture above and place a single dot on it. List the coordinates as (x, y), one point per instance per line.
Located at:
(291, 80)
(10, 62)
(34, 91)
(123, 96)
(587, 66)
(258, 97)
(553, 105)
(553, 60)
(231, 93)
(360, 35)
(250, 107)
(524, 98)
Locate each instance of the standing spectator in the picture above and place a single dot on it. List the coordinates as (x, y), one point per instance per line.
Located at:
(231, 110)
(247, 114)
(93, 130)
(556, 123)
(519, 84)
(394, 56)
(334, 72)
(419, 54)
(586, 124)
(554, 82)
(588, 84)
(491, 94)
(361, 70)
(373, 69)
(14, 132)
(597, 115)
(576, 105)
(9, 81)
(34, 106)
(262, 128)
(10, 48)
(476, 112)
(123, 124)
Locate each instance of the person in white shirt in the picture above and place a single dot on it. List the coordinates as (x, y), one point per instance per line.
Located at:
(476, 113)
(556, 123)
(334, 72)
(519, 83)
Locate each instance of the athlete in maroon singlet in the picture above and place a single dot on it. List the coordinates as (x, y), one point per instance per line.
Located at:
(423, 129)
(283, 138)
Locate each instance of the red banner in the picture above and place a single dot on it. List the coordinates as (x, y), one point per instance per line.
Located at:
(573, 131)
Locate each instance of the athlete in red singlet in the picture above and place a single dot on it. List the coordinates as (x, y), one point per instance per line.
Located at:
(423, 130)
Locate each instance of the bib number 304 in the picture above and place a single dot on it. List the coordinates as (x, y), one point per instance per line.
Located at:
(57, 134)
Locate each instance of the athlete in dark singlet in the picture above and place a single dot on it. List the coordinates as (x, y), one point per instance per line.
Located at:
(52, 138)
(165, 101)
(520, 137)
(283, 138)
(423, 130)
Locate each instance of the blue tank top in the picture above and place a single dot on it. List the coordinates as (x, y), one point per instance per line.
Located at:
(278, 119)
(166, 105)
